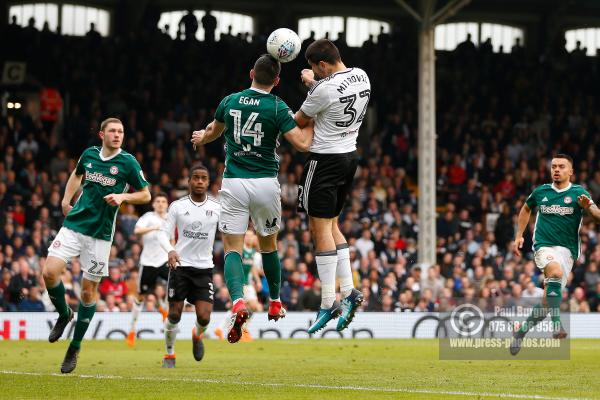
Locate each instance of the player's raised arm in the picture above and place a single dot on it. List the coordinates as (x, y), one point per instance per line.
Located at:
(522, 222)
(301, 139)
(73, 185)
(588, 204)
(211, 133)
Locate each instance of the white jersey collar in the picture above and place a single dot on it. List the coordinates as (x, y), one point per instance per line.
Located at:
(557, 190)
(259, 90)
(108, 158)
(198, 204)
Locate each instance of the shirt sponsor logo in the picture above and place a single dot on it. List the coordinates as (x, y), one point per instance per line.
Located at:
(556, 209)
(194, 231)
(114, 170)
(101, 179)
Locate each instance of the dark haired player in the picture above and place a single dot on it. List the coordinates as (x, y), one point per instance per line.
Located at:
(252, 121)
(337, 102)
(196, 217)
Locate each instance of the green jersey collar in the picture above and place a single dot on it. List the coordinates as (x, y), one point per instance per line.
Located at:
(259, 90)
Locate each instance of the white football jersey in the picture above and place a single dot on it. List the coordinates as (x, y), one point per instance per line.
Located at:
(153, 255)
(196, 225)
(338, 105)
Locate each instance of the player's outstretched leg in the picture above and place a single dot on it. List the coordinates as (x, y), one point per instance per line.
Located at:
(537, 315)
(56, 292)
(85, 313)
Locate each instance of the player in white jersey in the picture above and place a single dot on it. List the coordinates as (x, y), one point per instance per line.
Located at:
(337, 103)
(191, 261)
(153, 260)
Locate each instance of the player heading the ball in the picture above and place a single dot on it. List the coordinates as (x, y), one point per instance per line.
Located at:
(252, 121)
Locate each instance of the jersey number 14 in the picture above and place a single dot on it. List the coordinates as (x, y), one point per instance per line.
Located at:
(251, 128)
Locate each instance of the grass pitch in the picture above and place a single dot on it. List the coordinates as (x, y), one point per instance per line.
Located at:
(290, 369)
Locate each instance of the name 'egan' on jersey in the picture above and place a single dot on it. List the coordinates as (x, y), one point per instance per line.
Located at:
(338, 105)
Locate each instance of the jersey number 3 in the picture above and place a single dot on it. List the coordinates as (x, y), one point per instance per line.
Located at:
(251, 128)
(351, 111)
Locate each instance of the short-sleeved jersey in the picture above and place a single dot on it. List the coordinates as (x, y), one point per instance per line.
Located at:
(253, 121)
(338, 105)
(92, 215)
(558, 217)
(196, 225)
(153, 255)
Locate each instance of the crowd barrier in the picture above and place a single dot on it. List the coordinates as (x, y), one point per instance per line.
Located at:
(373, 325)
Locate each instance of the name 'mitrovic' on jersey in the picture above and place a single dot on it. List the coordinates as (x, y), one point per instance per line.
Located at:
(558, 217)
(338, 105)
(253, 121)
(196, 225)
(92, 215)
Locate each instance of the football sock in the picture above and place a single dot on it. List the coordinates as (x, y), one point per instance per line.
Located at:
(553, 299)
(538, 314)
(85, 313)
(326, 265)
(343, 270)
(135, 313)
(200, 329)
(272, 268)
(57, 296)
(170, 335)
(234, 275)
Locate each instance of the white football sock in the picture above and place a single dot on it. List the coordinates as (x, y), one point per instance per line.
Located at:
(344, 270)
(170, 335)
(326, 265)
(135, 313)
(200, 329)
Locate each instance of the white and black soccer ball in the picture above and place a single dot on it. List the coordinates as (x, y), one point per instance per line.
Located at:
(284, 44)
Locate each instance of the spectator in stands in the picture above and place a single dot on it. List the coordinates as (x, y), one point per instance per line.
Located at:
(113, 286)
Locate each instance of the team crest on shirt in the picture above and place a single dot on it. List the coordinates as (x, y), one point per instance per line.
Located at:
(114, 170)
(196, 225)
(568, 200)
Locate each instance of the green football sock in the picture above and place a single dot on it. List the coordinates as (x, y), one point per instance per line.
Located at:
(85, 313)
(537, 315)
(57, 296)
(553, 299)
(234, 275)
(272, 268)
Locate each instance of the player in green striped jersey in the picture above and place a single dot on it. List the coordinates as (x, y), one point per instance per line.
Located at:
(560, 207)
(89, 226)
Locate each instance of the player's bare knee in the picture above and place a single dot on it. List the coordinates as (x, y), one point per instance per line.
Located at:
(174, 316)
(88, 295)
(204, 319)
(553, 270)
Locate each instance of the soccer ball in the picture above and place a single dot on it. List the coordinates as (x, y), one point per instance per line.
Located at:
(284, 44)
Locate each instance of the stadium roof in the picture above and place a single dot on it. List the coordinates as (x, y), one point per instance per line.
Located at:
(387, 9)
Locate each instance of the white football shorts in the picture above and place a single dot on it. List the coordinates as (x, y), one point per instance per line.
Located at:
(242, 199)
(93, 253)
(562, 255)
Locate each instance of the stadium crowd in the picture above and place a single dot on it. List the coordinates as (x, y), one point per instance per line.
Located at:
(500, 118)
